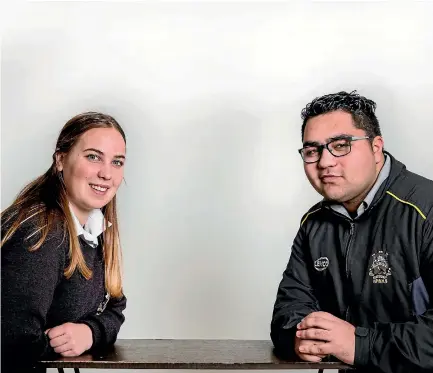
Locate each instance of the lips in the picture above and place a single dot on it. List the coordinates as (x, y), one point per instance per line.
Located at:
(325, 176)
(329, 178)
(99, 187)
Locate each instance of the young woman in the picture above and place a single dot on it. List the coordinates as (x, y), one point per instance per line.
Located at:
(61, 288)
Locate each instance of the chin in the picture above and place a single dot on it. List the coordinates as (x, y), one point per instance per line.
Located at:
(99, 204)
(334, 199)
(332, 195)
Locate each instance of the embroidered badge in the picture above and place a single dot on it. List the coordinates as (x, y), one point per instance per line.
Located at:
(321, 264)
(103, 304)
(380, 269)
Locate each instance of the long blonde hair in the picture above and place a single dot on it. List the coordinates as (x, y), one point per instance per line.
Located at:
(45, 199)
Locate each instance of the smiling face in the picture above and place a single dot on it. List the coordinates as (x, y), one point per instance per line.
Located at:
(92, 170)
(344, 179)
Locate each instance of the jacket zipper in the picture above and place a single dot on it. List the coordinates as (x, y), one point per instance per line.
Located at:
(352, 229)
(351, 232)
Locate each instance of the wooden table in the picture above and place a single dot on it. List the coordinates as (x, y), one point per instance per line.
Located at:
(187, 354)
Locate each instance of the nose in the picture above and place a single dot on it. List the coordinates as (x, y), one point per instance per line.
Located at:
(326, 159)
(105, 171)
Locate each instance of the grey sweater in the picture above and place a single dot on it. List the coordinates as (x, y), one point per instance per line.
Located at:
(35, 296)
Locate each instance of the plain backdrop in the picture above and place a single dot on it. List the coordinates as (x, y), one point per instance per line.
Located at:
(209, 95)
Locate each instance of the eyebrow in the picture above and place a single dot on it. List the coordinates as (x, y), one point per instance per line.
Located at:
(333, 138)
(311, 143)
(102, 153)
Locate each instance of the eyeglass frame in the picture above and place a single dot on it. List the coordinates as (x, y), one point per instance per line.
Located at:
(321, 147)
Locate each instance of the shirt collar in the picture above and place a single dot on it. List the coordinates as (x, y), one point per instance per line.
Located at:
(94, 226)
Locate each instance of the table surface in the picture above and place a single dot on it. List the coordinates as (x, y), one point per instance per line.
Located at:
(187, 354)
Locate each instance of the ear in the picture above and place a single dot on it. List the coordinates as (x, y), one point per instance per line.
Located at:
(377, 146)
(59, 161)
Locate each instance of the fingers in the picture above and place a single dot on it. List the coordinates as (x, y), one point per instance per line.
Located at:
(63, 348)
(316, 322)
(311, 358)
(324, 315)
(299, 343)
(56, 331)
(70, 353)
(59, 341)
(316, 349)
(70, 339)
(314, 334)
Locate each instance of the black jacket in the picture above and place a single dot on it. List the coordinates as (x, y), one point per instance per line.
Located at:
(35, 295)
(375, 271)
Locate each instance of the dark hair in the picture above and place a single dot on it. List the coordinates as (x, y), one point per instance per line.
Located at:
(361, 108)
(46, 199)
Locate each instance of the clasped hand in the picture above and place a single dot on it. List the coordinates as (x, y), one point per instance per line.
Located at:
(70, 339)
(321, 334)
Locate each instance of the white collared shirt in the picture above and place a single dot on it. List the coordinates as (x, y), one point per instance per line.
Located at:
(94, 226)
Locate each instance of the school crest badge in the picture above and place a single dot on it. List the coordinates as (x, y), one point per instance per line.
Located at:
(380, 269)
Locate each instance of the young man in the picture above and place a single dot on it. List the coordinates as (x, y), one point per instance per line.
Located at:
(360, 276)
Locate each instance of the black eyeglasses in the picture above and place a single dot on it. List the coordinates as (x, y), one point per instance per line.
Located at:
(337, 147)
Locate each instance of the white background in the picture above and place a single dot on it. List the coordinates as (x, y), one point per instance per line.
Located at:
(209, 95)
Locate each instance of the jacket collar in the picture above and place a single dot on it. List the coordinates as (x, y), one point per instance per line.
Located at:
(396, 169)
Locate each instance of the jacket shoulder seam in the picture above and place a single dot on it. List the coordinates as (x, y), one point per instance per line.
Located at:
(308, 214)
(408, 203)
